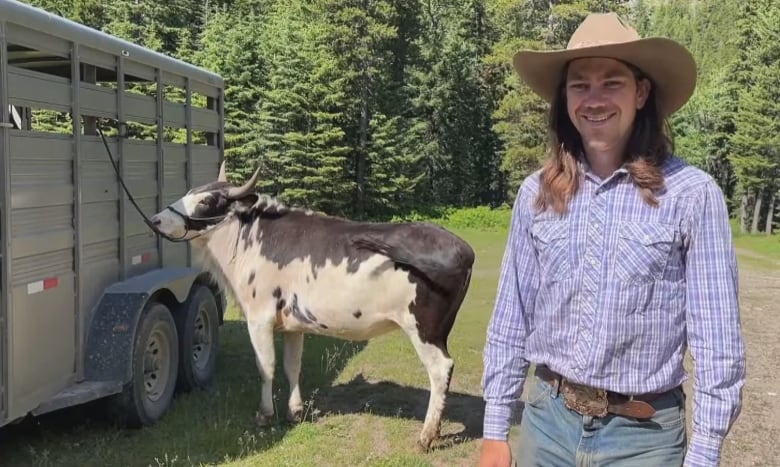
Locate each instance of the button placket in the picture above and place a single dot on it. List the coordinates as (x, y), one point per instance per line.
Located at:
(591, 274)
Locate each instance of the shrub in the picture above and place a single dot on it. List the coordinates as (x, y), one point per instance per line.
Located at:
(479, 217)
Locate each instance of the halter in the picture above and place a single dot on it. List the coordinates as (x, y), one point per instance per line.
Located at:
(188, 220)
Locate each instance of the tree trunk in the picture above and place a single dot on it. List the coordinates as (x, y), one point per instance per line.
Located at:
(743, 213)
(757, 211)
(770, 213)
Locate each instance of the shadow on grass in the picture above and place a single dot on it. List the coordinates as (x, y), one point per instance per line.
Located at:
(389, 399)
(203, 427)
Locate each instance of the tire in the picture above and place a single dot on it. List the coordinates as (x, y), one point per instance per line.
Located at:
(197, 322)
(148, 396)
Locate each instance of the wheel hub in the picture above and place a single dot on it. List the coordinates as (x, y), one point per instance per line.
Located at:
(157, 362)
(201, 339)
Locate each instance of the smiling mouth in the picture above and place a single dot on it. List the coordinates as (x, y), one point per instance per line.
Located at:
(598, 118)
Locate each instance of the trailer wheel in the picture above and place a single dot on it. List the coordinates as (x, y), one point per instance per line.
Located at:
(198, 325)
(148, 395)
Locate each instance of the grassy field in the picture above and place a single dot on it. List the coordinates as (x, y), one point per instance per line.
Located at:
(367, 401)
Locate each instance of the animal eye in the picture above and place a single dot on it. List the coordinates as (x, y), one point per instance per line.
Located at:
(205, 201)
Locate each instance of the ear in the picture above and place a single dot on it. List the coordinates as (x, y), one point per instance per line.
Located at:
(642, 92)
(244, 203)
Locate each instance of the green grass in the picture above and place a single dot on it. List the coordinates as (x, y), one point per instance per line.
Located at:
(367, 401)
(760, 251)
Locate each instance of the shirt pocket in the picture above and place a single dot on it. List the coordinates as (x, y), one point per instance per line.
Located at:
(643, 251)
(551, 239)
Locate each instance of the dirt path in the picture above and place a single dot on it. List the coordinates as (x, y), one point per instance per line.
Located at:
(755, 437)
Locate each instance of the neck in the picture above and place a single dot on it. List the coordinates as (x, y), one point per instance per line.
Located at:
(216, 252)
(605, 161)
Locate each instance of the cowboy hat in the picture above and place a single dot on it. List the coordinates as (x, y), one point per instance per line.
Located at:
(668, 64)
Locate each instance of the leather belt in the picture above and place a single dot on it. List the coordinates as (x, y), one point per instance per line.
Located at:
(596, 402)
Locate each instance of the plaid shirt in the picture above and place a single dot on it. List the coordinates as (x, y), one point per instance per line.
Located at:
(604, 295)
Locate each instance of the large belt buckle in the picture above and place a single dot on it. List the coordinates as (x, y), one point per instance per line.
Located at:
(585, 400)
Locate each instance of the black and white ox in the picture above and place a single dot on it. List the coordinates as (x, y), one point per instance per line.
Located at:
(295, 271)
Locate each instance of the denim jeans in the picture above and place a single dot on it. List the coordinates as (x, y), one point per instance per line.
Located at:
(551, 435)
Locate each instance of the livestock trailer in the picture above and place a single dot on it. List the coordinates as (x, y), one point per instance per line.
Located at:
(92, 304)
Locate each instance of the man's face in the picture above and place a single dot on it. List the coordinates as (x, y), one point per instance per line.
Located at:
(602, 98)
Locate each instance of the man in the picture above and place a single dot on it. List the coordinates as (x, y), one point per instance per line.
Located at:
(619, 258)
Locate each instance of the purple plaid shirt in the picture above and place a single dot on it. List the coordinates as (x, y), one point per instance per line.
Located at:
(604, 296)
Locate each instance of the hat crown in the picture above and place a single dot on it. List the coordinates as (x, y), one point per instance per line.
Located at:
(602, 29)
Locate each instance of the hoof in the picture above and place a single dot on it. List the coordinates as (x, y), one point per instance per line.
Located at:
(262, 420)
(423, 446)
(295, 416)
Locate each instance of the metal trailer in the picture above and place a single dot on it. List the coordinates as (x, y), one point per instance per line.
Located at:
(92, 304)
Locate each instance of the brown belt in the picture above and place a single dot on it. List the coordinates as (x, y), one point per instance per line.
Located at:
(597, 402)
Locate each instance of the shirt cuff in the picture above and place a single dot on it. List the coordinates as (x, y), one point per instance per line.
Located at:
(704, 451)
(497, 421)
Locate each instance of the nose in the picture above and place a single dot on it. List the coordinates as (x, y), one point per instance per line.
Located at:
(156, 220)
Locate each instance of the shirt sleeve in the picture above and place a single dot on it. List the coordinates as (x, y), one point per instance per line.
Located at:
(713, 326)
(504, 364)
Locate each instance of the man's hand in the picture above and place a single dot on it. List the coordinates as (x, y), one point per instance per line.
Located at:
(495, 454)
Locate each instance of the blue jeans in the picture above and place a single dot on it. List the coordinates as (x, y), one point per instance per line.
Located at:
(551, 435)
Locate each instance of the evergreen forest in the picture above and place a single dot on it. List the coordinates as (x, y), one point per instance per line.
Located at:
(380, 109)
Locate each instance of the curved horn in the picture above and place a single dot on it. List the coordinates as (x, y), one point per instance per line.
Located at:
(222, 177)
(245, 189)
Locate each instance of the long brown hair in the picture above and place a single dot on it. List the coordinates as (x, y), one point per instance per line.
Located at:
(648, 146)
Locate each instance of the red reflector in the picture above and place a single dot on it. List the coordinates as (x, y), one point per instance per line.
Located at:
(50, 283)
(147, 257)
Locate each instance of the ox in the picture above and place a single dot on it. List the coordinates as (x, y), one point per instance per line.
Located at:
(295, 271)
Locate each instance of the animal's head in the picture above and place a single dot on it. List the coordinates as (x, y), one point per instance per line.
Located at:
(203, 208)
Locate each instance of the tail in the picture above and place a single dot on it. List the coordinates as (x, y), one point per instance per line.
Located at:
(442, 261)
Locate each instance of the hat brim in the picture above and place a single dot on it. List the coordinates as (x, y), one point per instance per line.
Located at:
(670, 66)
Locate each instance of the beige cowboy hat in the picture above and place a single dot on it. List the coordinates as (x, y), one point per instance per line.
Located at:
(670, 66)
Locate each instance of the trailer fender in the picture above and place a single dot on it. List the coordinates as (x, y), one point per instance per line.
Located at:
(109, 343)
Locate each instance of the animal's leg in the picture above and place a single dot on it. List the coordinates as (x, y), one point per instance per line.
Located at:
(439, 366)
(293, 351)
(262, 336)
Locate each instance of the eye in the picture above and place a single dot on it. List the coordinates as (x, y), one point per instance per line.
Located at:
(205, 201)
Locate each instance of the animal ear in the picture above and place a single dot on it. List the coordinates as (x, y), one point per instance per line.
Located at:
(246, 202)
(222, 177)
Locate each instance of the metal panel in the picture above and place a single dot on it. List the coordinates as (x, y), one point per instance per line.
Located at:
(75, 73)
(5, 225)
(43, 275)
(98, 101)
(38, 90)
(175, 183)
(175, 170)
(205, 162)
(97, 58)
(140, 108)
(138, 70)
(35, 39)
(205, 89)
(41, 371)
(175, 114)
(100, 264)
(205, 119)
